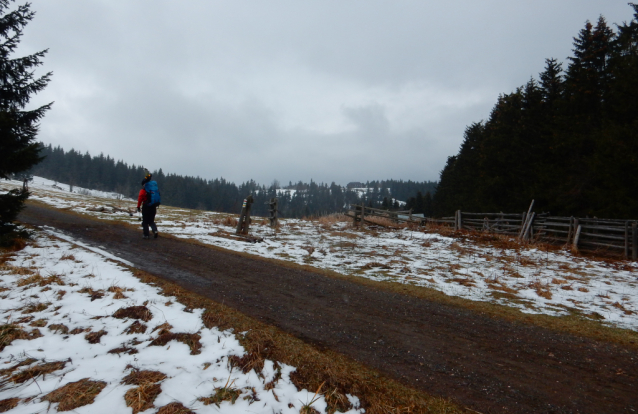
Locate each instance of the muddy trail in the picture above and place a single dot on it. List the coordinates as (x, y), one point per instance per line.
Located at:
(487, 364)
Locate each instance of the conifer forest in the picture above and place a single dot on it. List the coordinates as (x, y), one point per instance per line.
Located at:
(568, 139)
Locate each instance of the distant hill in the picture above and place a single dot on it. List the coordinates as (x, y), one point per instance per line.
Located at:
(303, 199)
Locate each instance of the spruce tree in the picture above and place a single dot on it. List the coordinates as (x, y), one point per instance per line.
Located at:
(18, 127)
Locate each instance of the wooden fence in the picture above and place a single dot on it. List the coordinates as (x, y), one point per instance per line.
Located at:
(360, 212)
(618, 237)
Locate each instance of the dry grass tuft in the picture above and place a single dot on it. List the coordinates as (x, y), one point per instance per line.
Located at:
(94, 294)
(225, 393)
(174, 408)
(136, 327)
(192, 340)
(37, 370)
(137, 377)
(11, 332)
(134, 312)
(67, 256)
(230, 221)
(123, 350)
(141, 398)
(58, 327)
(35, 307)
(8, 371)
(541, 289)
(61, 294)
(259, 348)
(76, 331)
(373, 265)
(39, 323)
(14, 270)
(119, 292)
(94, 337)
(75, 394)
(8, 404)
(163, 328)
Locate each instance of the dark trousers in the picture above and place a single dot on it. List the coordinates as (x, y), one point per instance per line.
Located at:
(148, 218)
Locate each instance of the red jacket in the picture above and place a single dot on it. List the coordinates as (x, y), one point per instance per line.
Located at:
(142, 198)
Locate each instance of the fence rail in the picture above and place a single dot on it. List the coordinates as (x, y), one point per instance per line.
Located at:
(613, 235)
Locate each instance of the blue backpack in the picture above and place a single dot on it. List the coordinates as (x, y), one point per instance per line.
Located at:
(152, 190)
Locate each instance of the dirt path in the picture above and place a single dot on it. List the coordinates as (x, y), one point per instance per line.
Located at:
(490, 365)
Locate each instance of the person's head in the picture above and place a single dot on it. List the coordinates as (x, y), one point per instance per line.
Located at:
(147, 176)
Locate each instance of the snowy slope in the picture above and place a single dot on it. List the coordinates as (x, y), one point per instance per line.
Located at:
(532, 280)
(65, 297)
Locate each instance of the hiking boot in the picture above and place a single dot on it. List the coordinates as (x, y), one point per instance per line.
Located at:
(155, 235)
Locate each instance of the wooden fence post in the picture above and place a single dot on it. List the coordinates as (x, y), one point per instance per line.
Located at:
(244, 218)
(634, 241)
(626, 240)
(524, 224)
(460, 220)
(274, 210)
(576, 236)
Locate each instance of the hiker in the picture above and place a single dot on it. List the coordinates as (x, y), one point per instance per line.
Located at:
(149, 199)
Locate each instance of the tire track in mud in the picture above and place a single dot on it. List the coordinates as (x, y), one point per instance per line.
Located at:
(487, 364)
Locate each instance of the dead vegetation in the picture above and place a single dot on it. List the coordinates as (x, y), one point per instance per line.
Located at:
(75, 394)
(11, 332)
(134, 312)
(220, 394)
(36, 279)
(58, 327)
(8, 404)
(141, 398)
(191, 340)
(94, 294)
(33, 372)
(135, 328)
(94, 337)
(174, 408)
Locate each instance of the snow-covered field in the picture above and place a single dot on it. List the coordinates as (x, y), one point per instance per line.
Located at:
(87, 330)
(535, 281)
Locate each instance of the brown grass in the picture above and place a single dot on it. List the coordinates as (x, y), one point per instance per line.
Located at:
(141, 397)
(385, 222)
(134, 312)
(75, 394)
(8, 404)
(192, 340)
(76, 331)
(174, 408)
(11, 332)
(137, 377)
(94, 294)
(35, 307)
(136, 328)
(163, 328)
(67, 256)
(58, 327)
(8, 371)
(39, 323)
(37, 370)
(541, 289)
(123, 350)
(94, 337)
(220, 394)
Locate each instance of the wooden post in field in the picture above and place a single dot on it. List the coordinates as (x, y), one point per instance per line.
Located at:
(274, 210)
(626, 240)
(525, 221)
(244, 218)
(634, 241)
(571, 230)
(528, 226)
(576, 236)
(363, 212)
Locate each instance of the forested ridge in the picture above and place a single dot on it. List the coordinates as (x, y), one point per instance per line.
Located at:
(303, 199)
(568, 139)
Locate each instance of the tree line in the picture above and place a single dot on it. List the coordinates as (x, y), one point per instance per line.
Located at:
(568, 139)
(295, 200)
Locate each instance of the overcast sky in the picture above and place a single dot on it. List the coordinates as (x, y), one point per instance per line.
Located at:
(346, 90)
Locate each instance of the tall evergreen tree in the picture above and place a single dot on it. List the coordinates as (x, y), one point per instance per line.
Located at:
(19, 150)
